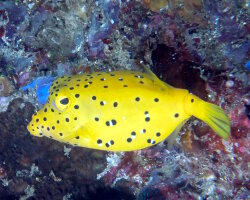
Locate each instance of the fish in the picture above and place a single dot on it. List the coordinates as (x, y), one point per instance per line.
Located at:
(120, 111)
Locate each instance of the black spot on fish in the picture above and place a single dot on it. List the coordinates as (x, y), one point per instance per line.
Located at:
(158, 134)
(75, 118)
(102, 103)
(102, 79)
(120, 79)
(57, 121)
(107, 144)
(149, 140)
(147, 119)
(176, 115)
(133, 133)
(76, 107)
(52, 110)
(77, 137)
(67, 119)
(115, 104)
(90, 82)
(143, 131)
(44, 119)
(85, 86)
(137, 99)
(71, 88)
(112, 75)
(138, 76)
(77, 95)
(112, 142)
(156, 99)
(105, 86)
(192, 100)
(125, 85)
(48, 128)
(107, 123)
(113, 122)
(99, 141)
(77, 85)
(141, 82)
(45, 110)
(129, 140)
(40, 133)
(37, 120)
(96, 119)
(60, 134)
(53, 127)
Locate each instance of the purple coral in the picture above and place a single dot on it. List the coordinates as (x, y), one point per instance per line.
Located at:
(101, 29)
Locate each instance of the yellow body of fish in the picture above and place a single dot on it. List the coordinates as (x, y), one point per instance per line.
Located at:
(120, 111)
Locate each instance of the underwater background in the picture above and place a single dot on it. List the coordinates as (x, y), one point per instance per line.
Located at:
(199, 45)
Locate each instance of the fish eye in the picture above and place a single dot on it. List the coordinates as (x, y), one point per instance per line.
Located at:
(61, 103)
(64, 101)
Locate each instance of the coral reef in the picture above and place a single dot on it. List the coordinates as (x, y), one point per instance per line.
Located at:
(6, 87)
(202, 46)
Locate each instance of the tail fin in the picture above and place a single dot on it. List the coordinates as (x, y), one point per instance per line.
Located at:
(215, 117)
(211, 114)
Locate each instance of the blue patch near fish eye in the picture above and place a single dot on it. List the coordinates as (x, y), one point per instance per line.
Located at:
(42, 93)
(247, 65)
(39, 82)
(41, 85)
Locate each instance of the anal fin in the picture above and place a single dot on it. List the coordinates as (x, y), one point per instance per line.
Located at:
(172, 137)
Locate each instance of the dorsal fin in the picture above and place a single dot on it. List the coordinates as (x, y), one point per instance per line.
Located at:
(151, 74)
(153, 77)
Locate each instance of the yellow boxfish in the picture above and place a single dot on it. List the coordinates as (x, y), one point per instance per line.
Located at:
(120, 111)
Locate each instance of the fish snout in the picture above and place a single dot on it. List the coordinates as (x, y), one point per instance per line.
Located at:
(33, 129)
